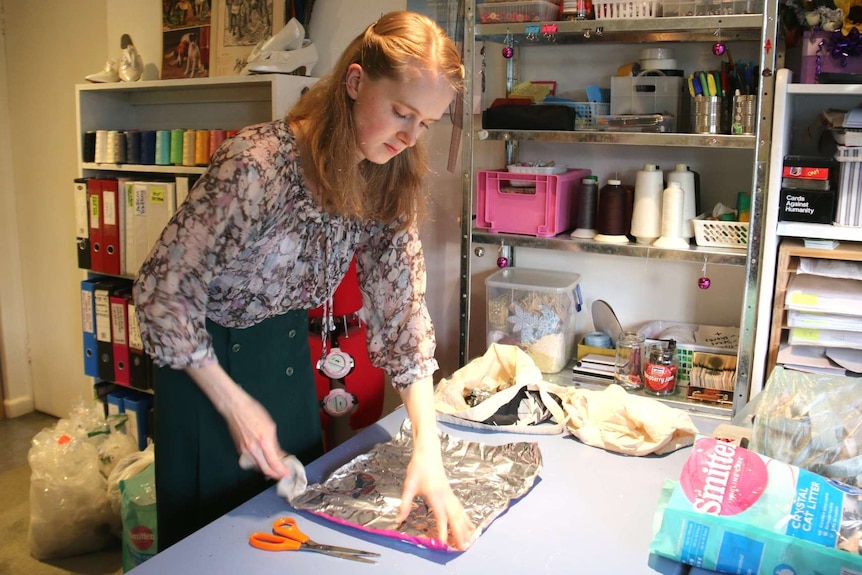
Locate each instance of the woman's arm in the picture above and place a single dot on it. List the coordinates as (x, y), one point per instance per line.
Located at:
(251, 426)
(426, 475)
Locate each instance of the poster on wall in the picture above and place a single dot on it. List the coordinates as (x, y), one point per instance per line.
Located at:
(238, 26)
(186, 38)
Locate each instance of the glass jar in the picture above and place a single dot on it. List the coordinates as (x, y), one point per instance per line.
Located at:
(629, 361)
(661, 369)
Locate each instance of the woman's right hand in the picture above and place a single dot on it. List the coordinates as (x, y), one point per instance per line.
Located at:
(250, 424)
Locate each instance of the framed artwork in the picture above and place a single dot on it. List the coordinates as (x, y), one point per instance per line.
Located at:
(186, 38)
(239, 25)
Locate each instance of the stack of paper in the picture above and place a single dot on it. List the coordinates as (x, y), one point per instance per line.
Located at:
(824, 317)
(594, 365)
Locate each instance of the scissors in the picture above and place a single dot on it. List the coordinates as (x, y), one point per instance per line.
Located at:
(287, 536)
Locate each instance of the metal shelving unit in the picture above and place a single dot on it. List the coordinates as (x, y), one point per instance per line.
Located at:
(758, 28)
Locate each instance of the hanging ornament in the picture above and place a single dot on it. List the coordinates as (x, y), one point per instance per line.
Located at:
(503, 260)
(508, 50)
(719, 48)
(704, 282)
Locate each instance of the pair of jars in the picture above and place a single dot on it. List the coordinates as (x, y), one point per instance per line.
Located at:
(652, 368)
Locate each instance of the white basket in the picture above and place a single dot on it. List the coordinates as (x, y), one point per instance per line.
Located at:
(720, 234)
(612, 9)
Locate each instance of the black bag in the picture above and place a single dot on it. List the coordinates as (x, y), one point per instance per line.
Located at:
(529, 117)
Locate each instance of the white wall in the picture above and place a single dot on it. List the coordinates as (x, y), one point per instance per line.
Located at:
(50, 46)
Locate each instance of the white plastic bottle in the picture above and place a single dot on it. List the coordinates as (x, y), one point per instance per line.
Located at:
(671, 218)
(646, 215)
(685, 178)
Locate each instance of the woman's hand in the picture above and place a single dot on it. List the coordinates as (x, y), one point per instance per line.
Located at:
(426, 475)
(250, 424)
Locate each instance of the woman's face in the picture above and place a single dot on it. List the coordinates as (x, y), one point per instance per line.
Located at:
(391, 115)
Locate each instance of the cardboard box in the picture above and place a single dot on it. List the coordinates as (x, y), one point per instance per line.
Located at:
(811, 206)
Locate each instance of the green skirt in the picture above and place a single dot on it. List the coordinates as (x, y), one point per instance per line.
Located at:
(198, 478)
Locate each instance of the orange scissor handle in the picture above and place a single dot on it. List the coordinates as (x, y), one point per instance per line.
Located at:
(270, 542)
(286, 527)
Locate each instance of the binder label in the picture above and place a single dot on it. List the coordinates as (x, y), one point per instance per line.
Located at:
(110, 208)
(103, 315)
(135, 341)
(140, 200)
(94, 211)
(87, 312)
(157, 195)
(118, 323)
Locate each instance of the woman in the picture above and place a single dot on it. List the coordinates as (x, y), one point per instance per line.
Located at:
(267, 233)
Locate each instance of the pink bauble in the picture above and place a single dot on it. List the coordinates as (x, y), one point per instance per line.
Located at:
(718, 48)
(704, 283)
(508, 52)
(502, 262)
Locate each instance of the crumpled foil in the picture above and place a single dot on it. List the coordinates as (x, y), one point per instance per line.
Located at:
(366, 492)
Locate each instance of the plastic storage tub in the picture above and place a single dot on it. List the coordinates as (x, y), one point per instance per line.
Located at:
(532, 204)
(536, 310)
(530, 11)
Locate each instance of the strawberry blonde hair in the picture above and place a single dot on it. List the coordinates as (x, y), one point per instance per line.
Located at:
(391, 48)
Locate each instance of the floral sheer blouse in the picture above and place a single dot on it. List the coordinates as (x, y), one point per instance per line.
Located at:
(250, 242)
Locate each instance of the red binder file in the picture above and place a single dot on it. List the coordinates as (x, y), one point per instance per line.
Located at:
(120, 337)
(94, 197)
(111, 260)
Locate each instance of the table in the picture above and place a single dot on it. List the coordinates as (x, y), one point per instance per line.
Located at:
(591, 511)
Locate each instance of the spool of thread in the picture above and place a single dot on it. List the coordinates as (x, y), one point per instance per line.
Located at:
(188, 155)
(112, 147)
(216, 138)
(685, 179)
(176, 155)
(88, 154)
(121, 148)
(598, 339)
(587, 203)
(163, 147)
(202, 147)
(615, 206)
(101, 146)
(133, 147)
(646, 214)
(148, 147)
(671, 218)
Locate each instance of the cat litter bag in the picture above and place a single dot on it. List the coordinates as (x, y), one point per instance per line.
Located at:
(736, 511)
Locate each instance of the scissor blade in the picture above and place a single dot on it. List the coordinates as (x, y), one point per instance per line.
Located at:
(340, 555)
(347, 550)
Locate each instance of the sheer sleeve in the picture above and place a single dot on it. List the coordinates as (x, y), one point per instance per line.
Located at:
(220, 215)
(391, 269)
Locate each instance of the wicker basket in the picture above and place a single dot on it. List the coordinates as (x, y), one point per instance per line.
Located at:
(720, 234)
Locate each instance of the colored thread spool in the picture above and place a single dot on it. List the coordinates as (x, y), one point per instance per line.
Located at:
(202, 147)
(188, 154)
(216, 138)
(121, 148)
(163, 147)
(101, 146)
(133, 147)
(148, 147)
(112, 147)
(587, 202)
(89, 150)
(176, 155)
(613, 218)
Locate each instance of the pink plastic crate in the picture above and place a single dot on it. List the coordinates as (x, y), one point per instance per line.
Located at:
(545, 208)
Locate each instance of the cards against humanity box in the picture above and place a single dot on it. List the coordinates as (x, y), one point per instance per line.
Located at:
(811, 206)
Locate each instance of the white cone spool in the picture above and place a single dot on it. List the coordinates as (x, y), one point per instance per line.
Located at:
(685, 179)
(671, 218)
(646, 215)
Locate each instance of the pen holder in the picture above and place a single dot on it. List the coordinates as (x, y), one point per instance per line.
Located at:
(744, 115)
(706, 115)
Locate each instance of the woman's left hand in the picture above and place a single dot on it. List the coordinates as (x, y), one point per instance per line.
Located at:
(427, 477)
